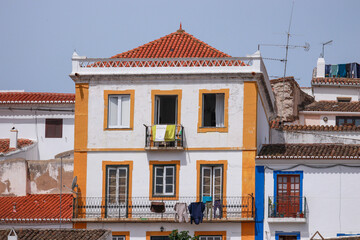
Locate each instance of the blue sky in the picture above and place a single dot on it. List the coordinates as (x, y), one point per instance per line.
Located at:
(38, 37)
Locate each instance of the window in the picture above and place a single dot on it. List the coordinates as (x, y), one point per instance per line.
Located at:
(344, 99)
(210, 238)
(159, 238)
(119, 110)
(287, 236)
(211, 235)
(117, 182)
(164, 179)
(53, 128)
(118, 237)
(213, 110)
(158, 235)
(166, 106)
(211, 182)
(347, 121)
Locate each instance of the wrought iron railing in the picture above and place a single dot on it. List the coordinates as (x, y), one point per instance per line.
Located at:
(178, 142)
(287, 207)
(140, 208)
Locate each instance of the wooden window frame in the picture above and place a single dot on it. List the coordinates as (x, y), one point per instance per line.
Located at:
(177, 92)
(47, 120)
(152, 165)
(105, 165)
(150, 234)
(211, 233)
(119, 234)
(130, 92)
(202, 129)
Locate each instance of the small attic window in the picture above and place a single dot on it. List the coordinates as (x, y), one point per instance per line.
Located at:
(344, 99)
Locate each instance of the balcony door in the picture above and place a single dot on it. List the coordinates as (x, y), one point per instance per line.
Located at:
(288, 195)
(212, 182)
(166, 109)
(117, 191)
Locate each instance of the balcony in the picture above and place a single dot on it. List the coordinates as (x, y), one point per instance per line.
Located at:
(141, 209)
(173, 143)
(287, 209)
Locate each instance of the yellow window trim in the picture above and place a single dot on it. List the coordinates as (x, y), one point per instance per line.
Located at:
(154, 93)
(130, 92)
(151, 166)
(149, 234)
(116, 163)
(198, 174)
(226, 107)
(126, 234)
(211, 233)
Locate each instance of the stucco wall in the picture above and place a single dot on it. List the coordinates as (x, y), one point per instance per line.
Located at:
(331, 93)
(262, 126)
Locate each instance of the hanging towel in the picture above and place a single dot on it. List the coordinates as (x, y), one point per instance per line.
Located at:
(353, 70)
(342, 70)
(348, 72)
(327, 70)
(196, 210)
(170, 133)
(163, 133)
(181, 212)
(334, 70)
(157, 207)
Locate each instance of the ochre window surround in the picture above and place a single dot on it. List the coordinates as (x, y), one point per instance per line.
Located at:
(104, 173)
(150, 234)
(177, 174)
(211, 233)
(202, 129)
(126, 234)
(130, 92)
(177, 92)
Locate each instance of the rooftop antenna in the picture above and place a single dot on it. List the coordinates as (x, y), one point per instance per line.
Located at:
(323, 45)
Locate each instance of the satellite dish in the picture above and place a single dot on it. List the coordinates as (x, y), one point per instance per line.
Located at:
(73, 184)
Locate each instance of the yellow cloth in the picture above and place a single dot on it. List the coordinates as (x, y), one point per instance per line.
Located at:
(169, 134)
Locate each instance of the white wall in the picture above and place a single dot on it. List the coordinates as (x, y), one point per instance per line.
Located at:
(332, 195)
(31, 125)
(331, 93)
(35, 225)
(262, 125)
(98, 138)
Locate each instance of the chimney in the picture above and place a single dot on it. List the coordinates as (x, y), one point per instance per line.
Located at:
(13, 138)
(320, 68)
(12, 235)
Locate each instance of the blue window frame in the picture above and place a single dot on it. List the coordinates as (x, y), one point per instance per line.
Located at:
(278, 234)
(301, 173)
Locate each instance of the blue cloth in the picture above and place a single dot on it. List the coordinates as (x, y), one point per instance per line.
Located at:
(207, 199)
(334, 70)
(358, 71)
(327, 70)
(348, 72)
(342, 70)
(196, 210)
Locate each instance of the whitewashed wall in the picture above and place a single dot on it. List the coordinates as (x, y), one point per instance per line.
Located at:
(262, 125)
(31, 125)
(331, 93)
(98, 138)
(332, 195)
(35, 225)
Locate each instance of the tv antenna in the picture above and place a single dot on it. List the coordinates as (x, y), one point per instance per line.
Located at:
(306, 46)
(323, 45)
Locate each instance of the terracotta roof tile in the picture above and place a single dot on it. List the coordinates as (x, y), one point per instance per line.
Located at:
(324, 151)
(179, 44)
(57, 234)
(333, 106)
(335, 81)
(276, 124)
(36, 207)
(36, 97)
(5, 143)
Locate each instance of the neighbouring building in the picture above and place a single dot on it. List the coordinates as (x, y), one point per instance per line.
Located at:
(172, 122)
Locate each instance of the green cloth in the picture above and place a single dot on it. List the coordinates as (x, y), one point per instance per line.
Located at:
(169, 133)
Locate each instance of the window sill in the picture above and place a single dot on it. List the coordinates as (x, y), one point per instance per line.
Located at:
(287, 220)
(164, 197)
(212, 129)
(118, 129)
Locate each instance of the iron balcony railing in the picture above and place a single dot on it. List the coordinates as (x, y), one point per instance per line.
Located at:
(287, 207)
(176, 144)
(142, 209)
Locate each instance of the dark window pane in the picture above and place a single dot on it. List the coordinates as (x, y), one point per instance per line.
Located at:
(53, 128)
(166, 110)
(209, 102)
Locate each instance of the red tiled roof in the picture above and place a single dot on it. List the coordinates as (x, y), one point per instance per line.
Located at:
(57, 234)
(314, 150)
(36, 97)
(335, 81)
(179, 44)
(4, 144)
(333, 106)
(36, 207)
(276, 124)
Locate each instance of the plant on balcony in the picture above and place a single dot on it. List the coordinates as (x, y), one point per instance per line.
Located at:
(183, 235)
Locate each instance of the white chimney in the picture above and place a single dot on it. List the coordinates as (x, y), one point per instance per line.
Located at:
(320, 67)
(12, 235)
(13, 138)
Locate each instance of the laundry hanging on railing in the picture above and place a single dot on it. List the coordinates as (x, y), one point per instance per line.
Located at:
(163, 133)
(196, 210)
(349, 70)
(181, 212)
(157, 207)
